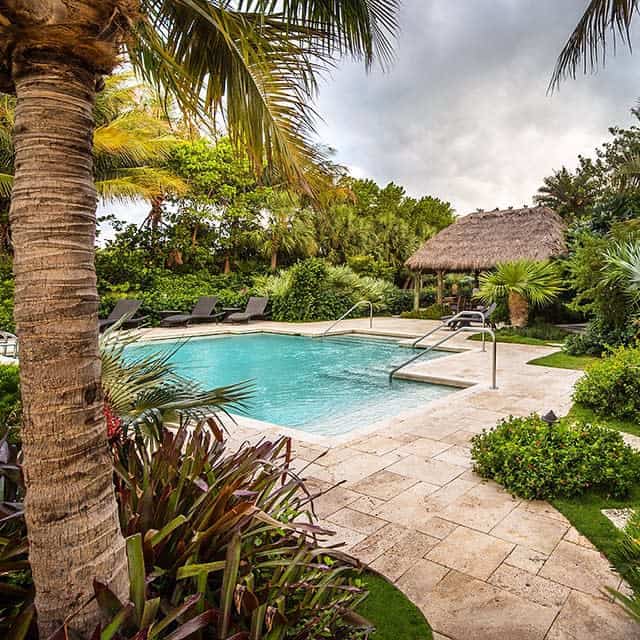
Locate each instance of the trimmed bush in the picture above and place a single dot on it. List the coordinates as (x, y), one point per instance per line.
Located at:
(611, 386)
(433, 312)
(599, 336)
(535, 460)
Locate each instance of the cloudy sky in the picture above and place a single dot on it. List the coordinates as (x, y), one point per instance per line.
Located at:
(464, 114)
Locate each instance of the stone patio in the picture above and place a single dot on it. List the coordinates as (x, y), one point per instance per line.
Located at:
(478, 562)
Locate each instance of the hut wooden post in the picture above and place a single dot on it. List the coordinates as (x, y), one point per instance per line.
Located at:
(440, 287)
(417, 285)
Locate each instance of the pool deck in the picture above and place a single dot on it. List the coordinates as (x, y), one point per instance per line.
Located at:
(478, 562)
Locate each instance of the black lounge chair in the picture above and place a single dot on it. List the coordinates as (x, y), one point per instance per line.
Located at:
(123, 312)
(255, 309)
(203, 311)
(471, 318)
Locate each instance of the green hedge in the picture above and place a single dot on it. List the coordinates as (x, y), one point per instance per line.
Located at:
(611, 386)
(9, 395)
(432, 312)
(535, 460)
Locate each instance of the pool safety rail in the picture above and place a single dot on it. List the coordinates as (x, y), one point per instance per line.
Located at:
(344, 315)
(463, 315)
(484, 330)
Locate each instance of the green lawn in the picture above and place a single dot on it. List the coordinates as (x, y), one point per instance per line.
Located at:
(514, 339)
(395, 617)
(562, 360)
(584, 514)
(588, 415)
(584, 511)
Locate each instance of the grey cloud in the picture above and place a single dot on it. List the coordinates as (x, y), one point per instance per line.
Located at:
(464, 113)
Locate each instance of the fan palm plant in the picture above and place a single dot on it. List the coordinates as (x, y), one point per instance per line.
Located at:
(622, 267)
(522, 283)
(257, 59)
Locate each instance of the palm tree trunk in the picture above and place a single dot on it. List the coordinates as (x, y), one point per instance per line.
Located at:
(71, 510)
(518, 309)
(227, 264)
(274, 259)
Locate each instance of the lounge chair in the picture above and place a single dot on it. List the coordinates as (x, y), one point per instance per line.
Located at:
(255, 309)
(123, 312)
(8, 345)
(471, 318)
(203, 311)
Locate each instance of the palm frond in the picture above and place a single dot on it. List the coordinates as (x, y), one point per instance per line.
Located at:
(145, 391)
(622, 267)
(258, 64)
(139, 182)
(538, 282)
(587, 45)
(6, 184)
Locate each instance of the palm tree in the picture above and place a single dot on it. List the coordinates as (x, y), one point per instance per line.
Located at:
(586, 47)
(522, 282)
(288, 229)
(131, 143)
(260, 62)
(568, 194)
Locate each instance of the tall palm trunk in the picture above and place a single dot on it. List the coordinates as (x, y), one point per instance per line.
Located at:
(274, 258)
(71, 511)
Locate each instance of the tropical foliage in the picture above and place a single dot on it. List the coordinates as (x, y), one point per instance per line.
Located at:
(611, 386)
(522, 282)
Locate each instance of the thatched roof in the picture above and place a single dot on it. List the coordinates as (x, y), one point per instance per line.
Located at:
(481, 240)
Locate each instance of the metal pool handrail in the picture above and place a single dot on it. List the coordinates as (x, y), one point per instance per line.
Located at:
(445, 323)
(344, 315)
(451, 335)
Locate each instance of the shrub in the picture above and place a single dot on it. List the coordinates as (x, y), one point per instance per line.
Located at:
(6, 296)
(535, 460)
(9, 395)
(611, 386)
(433, 312)
(314, 290)
(599, 336)
(369, 266)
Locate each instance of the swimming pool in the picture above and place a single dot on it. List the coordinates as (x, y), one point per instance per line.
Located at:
(327, 385)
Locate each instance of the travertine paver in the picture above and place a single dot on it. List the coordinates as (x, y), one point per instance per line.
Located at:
(537, 532)
(471, 552)
(463, 608)
(579, 568)
(479, 563)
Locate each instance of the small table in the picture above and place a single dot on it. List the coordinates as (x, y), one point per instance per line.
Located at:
(170, 312)
(229, 310)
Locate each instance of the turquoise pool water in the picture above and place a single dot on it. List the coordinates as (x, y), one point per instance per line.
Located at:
(320, 385)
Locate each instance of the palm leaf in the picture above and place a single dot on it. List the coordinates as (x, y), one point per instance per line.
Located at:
(6, 184)
(587, 45)
(145, 390)
(259, 64)
(138, 182)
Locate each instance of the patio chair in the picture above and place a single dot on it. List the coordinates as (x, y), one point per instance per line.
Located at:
(255, 309)
(123, 312)
(470, 318)
(8, 345)
(203, 311)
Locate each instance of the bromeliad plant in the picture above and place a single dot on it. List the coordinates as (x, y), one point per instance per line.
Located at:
(522, 283)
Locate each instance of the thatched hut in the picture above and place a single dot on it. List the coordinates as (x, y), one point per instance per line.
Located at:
(481, 240)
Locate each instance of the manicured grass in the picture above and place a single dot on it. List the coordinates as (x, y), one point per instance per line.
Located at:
(537, 334)
(584, 514)
(392, 613)
(513, 339)
(561, 360)
(588, 415)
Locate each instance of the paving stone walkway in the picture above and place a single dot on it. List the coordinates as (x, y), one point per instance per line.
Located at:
(479, 563)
